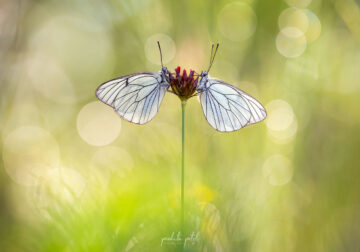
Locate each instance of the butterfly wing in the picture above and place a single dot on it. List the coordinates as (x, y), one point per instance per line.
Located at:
(135, 97)
(228, 108)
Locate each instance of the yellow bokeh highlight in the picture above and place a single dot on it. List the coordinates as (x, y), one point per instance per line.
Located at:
(237, 21)
(278, 170)
(30, 152)
(302, 19)
(314, 30)
(280, 115)
(49, 79)
(294, 17)
(98, 124)
(291, 42)
(281, 121)
(60, 185)
(203, 193)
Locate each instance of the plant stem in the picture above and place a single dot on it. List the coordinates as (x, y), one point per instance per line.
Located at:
(183, 104)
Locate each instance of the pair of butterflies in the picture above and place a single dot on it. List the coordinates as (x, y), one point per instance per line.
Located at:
(137, 98)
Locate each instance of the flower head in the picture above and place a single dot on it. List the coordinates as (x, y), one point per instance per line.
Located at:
(183, 85)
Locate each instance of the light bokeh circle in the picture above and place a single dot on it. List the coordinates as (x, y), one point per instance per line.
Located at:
(291, 42)
(278, 170)
(302, 19)
(49, 79)
(98, 124)
(28, 153)
(71, 184)
(293, 17)
(284, 136)
(79, 44)
(237, 21)
(280, 115)
(314, 30)
(168, 48)
(64, 184)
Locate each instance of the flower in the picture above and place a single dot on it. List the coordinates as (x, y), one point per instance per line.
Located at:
(184, 86)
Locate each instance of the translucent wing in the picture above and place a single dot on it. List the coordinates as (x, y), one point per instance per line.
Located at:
(228, 108)
(136, 97)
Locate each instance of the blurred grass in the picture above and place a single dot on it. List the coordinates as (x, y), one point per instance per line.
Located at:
(287, 184)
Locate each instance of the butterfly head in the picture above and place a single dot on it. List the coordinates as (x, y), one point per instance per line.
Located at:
(164, 72)
(204, 76)
(183, 84)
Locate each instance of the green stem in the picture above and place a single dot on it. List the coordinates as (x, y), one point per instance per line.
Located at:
(183, 104)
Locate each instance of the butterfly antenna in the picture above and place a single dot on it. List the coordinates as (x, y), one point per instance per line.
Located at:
(160, 54)
(212, 50)
(212, 55)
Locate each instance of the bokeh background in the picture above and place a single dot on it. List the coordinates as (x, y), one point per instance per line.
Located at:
(75, 177)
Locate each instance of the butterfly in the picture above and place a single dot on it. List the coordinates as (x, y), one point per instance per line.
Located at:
(137, 97)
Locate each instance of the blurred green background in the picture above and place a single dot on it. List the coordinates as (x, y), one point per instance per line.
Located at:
(75, 177)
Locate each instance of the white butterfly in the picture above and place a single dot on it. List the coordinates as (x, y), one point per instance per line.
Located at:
(137, 97)
(226, 107)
